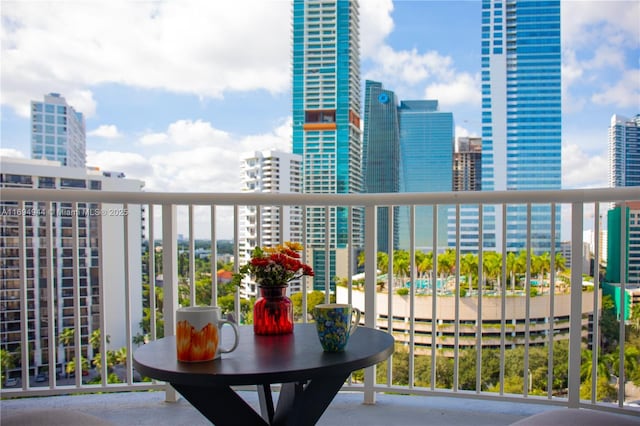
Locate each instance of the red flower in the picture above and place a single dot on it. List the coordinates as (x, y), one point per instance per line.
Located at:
(274, 265)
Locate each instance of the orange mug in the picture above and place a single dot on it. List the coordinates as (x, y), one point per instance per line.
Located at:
(198, 331)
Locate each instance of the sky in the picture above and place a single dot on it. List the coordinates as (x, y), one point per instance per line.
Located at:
(175, 91)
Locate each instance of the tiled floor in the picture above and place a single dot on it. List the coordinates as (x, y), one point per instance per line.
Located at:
(149, 408)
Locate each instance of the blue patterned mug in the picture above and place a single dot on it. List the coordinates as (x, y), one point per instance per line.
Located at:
(335, 323)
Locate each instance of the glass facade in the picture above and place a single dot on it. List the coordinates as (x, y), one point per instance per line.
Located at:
(624, 151)
(381, 153)
(521, 114)
(326, 113)
(426, 164)
(57, 132)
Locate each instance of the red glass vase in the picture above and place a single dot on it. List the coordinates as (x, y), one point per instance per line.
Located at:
(273, 311)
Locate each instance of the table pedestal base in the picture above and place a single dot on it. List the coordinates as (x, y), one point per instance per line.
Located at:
(298, 404)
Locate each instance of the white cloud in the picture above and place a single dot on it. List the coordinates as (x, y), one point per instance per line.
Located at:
(107, 131)
(582, 170)
(71, 46)
(375, 24)
(625, 93)
(597, 37)
(154, 139)
(12, 153)
(134, 166)
(197, 157)
(464, 132)
(463, 89)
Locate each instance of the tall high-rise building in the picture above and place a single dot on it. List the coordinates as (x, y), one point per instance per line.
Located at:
(467, 169)
(426, 159)
(381, 154)
(624, 151)
(99, 230)
(467, 176)
(407, 148)
(521, 114)
(269, 171)
(623, 263)
(57, 132)
(326, 122)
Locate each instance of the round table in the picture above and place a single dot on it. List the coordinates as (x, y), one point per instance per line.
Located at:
(310, 377)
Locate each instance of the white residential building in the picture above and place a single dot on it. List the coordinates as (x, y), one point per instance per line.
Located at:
(98, 264)
(269, 171)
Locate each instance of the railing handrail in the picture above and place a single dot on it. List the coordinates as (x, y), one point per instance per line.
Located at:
(381, 199)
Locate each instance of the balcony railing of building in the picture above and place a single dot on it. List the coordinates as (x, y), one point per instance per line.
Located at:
(71, 260)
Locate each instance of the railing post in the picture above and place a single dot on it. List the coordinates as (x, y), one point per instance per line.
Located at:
(575, 328)
(170, 277)
(370, 272)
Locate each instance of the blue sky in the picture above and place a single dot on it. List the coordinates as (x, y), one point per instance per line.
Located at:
(174, 92)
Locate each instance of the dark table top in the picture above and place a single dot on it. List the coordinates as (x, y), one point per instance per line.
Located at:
(265, 359)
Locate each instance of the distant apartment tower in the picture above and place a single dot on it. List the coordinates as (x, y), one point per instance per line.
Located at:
(467, 171)
(624, 151)
(74, 274)
(623, 263)
(521, 115)
(381, 155)
(57, 132)
(326, 124)
(467, 176)
(269, 171)
(426, 162)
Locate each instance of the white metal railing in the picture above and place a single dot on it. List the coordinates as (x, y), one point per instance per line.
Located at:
(174, 211)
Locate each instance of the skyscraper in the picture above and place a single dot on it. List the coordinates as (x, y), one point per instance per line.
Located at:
(467, 176)
(521, 113)
(467, 159)
(426, 159)
(57, 132)
(624, 151)
(381, 153)
(624, 170)
(326, 120)
(269, 171)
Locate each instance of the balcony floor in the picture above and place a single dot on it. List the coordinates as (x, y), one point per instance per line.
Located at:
(149, 408)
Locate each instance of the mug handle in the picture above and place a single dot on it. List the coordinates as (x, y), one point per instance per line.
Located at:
(235, 333)
(355, 323)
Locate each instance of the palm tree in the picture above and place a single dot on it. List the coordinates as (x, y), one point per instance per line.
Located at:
(120, 356)
(469, 268)
(71, 365)
(401, 264)
(94, 339)
(6, 362)
(67, 339)
(520, 266)
(543, 266)
(561, 263)
(383, 262)
(447, 263)
(492, 266)
(424, 264)
(511, 269)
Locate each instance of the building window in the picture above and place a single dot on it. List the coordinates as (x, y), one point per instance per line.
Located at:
(72, 183)
(46, 182)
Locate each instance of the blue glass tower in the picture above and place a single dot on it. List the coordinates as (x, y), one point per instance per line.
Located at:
(381, 154)
(426, 159)
(521, 114)
(326, 120)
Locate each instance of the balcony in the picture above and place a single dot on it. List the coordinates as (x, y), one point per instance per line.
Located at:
(432, 328)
